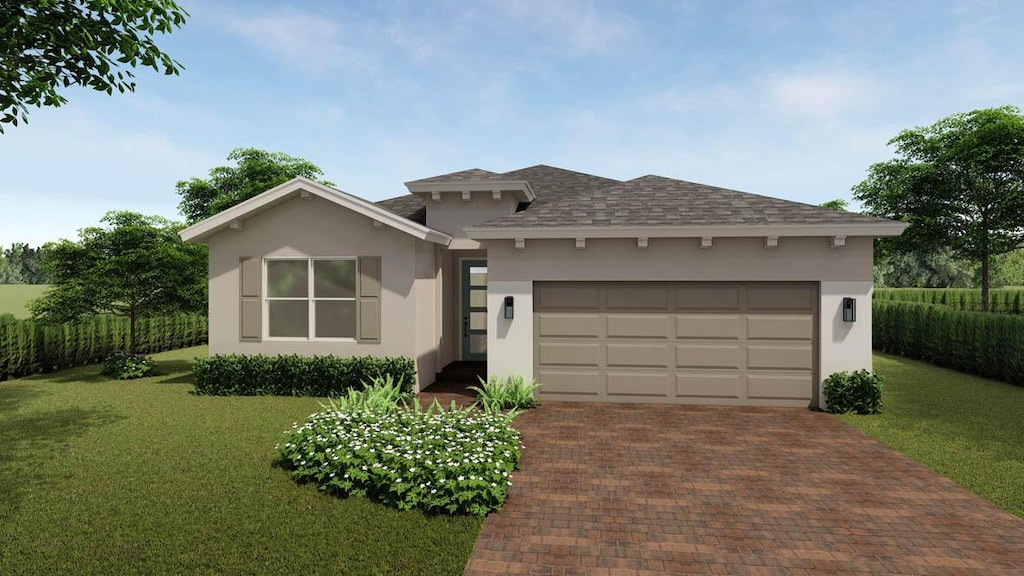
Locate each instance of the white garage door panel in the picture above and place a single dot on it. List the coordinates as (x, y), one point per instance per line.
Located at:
(729, 343)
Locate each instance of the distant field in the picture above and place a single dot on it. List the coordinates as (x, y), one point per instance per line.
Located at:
(14, 298)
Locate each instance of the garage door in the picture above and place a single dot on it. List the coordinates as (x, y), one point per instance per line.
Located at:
(688, 343)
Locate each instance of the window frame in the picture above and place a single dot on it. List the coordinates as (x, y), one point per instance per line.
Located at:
(310, 300)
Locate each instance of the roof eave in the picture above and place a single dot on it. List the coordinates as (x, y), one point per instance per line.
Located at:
(521, 187)
(874, 229)
(201, 231)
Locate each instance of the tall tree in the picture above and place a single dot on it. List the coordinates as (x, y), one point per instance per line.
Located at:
(22, 264)
(256, 171)
(135, 266)
(958, 183)
(51, 44)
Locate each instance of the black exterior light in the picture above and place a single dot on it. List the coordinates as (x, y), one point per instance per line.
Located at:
(509, 311)
(849, 309)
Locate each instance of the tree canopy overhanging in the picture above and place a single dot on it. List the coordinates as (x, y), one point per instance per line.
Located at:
(959, 183)
(256, 171)
(50, 45)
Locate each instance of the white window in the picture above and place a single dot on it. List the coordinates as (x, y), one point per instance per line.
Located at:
(311, 298)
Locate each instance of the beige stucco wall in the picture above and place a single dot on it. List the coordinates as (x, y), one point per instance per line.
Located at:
(447, 307)
(310, 228)
(845, 271)
(426, 326)
(844, 345)
(451, 214)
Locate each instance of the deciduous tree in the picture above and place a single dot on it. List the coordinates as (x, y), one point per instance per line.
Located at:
(959, 183)
(256, 171)
(135, 266)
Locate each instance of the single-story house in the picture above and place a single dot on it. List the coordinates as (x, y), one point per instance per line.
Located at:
(645, 290)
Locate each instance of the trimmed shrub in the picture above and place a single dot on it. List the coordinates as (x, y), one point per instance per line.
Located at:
(990, 345)
(127, 366)
(452, 461)
(294, 375)
(1001, 300)
(28, 347)
(859, 392)
(512, 393)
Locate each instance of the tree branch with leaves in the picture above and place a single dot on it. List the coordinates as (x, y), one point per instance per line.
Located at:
(49, 45)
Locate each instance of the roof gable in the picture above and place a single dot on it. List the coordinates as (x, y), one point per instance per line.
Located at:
(235, 216)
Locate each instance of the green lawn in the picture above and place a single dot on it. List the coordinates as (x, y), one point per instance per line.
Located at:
(143, 477)
(964, 427)
(14, 298)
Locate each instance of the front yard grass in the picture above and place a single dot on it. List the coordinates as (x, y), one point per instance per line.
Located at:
(143, 477)
(964, 427)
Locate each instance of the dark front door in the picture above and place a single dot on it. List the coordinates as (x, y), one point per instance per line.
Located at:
(474, 310)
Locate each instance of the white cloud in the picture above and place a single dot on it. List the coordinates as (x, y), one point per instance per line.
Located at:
(820, 93)
(582, 25)
(310, 41)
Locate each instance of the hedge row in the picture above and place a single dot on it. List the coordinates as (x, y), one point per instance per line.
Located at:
(990, 345)
(1001, 300)
(294, 375)
(28, 347)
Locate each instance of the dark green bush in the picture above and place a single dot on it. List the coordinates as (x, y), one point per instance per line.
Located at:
(28, 347)
(859, 392)
(990, 345)
(127, 366)
(1001, 300)
(294, 375)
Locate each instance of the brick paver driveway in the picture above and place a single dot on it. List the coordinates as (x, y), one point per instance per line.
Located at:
(629, 489)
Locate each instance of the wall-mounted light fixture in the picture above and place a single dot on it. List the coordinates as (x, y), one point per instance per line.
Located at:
(509, 311)
(849, 309)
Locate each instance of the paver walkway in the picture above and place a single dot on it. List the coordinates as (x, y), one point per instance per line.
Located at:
(641, 489)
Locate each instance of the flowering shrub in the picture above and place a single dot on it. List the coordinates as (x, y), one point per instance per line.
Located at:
(127, 366)
(454, 461)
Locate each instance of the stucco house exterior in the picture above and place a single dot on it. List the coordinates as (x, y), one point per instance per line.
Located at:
(646, 290)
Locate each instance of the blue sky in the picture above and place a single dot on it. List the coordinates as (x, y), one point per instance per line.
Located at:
(784, 98)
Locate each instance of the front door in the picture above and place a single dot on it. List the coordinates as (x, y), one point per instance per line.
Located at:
(474, 310)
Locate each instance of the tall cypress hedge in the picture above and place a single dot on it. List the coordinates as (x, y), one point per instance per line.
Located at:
(28, 347)
(1001, 300)
(990, 345)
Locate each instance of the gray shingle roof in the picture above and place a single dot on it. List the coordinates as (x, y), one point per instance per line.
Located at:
(659, 201)
(470, 175)
(573, 199)
(408, 206)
